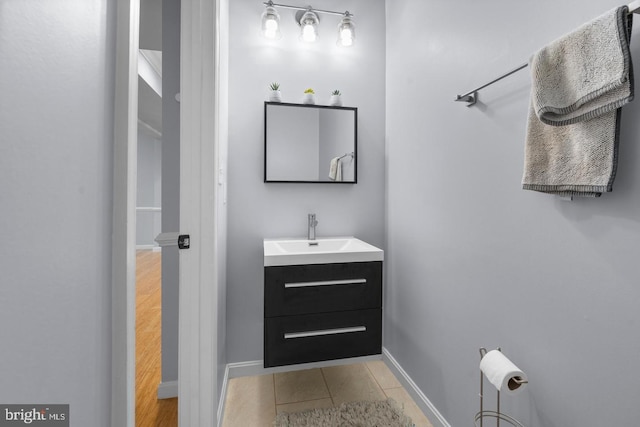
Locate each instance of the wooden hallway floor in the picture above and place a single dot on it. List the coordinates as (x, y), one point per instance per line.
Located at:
(150, 412)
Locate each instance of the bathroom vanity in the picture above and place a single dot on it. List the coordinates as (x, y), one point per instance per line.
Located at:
(322, 300)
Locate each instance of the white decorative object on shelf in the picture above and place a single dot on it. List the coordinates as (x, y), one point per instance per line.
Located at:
(309, 97)
(336, 100)
(275, 95)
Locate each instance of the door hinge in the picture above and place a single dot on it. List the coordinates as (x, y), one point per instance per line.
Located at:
(184, 241)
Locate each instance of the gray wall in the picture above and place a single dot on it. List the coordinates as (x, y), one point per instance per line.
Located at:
(473, 260)
(223, 123)
(170, 184)
(258, 210)
(56, 117)
(150, 25)
(148, 223)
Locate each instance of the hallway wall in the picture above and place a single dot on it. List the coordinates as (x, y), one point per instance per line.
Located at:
(475, 261)
(56, 121)
(170, 185)
(148, 193)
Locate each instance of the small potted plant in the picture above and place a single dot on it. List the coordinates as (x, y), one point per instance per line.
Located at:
(275, 95)
(335, 98)
(309, 97)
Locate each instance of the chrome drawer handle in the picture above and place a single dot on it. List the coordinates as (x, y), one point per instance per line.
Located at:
(324, 332)
(325, 283)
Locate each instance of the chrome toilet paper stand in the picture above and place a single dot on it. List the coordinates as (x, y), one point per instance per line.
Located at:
(494, 414)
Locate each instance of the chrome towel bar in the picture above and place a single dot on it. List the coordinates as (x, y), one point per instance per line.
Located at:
(471, 97)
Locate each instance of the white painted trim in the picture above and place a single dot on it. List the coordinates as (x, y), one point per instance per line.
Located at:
(223, 395)
(198, 293)
(148, 248)
(124, 215)
(168, 390)
(149, 74)
(148, 209)
(150, 129)
(412, 388)
(154, 58)
(256, 367)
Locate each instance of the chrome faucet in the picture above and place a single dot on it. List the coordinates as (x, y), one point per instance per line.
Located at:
(311, 233)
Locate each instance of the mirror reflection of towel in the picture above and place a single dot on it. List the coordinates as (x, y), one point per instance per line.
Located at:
(335, 169)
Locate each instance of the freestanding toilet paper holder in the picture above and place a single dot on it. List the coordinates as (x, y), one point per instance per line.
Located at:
(494, 414)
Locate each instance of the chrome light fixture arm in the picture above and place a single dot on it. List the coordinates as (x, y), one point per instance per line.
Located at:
(309, 8)
(308, 19)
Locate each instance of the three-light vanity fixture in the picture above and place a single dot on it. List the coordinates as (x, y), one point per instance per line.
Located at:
(308, 19)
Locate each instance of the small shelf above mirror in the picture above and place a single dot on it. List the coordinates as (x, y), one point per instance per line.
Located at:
(308, 143)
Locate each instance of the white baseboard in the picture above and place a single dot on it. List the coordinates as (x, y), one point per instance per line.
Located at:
(255, 367)
(168, 389)
(223, 396)
(154, 248)
(412, 388)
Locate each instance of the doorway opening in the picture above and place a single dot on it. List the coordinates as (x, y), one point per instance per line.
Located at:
(157, 198)
(197, 355)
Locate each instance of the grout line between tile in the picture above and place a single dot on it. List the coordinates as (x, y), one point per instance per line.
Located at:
(326, 384)
(374, 377)
(302, 401)
(275, 398)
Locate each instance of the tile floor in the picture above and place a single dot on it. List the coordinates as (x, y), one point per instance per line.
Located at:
(254, 401)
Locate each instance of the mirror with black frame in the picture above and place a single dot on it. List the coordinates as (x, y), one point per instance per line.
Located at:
(310, 143)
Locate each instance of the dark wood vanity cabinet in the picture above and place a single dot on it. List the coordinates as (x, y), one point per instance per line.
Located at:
(320, 312)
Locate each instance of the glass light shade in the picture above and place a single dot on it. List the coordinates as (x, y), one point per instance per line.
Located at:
(271, 23)
(309, 25)
(346, 32)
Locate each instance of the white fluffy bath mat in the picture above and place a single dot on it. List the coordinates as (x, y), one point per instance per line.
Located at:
(385, 413)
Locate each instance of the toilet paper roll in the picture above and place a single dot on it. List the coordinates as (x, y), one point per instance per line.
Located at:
(502, 373)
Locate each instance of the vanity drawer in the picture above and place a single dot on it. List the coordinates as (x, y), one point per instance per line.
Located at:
(316, 337)
(319, 288)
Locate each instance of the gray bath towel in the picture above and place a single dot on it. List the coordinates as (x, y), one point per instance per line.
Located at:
(579, 83)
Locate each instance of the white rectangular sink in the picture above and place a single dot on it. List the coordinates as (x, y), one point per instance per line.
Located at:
(319, 251)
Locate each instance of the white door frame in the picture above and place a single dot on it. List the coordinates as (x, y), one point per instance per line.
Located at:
(198, 317)
(124, 204)
(197, 352)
